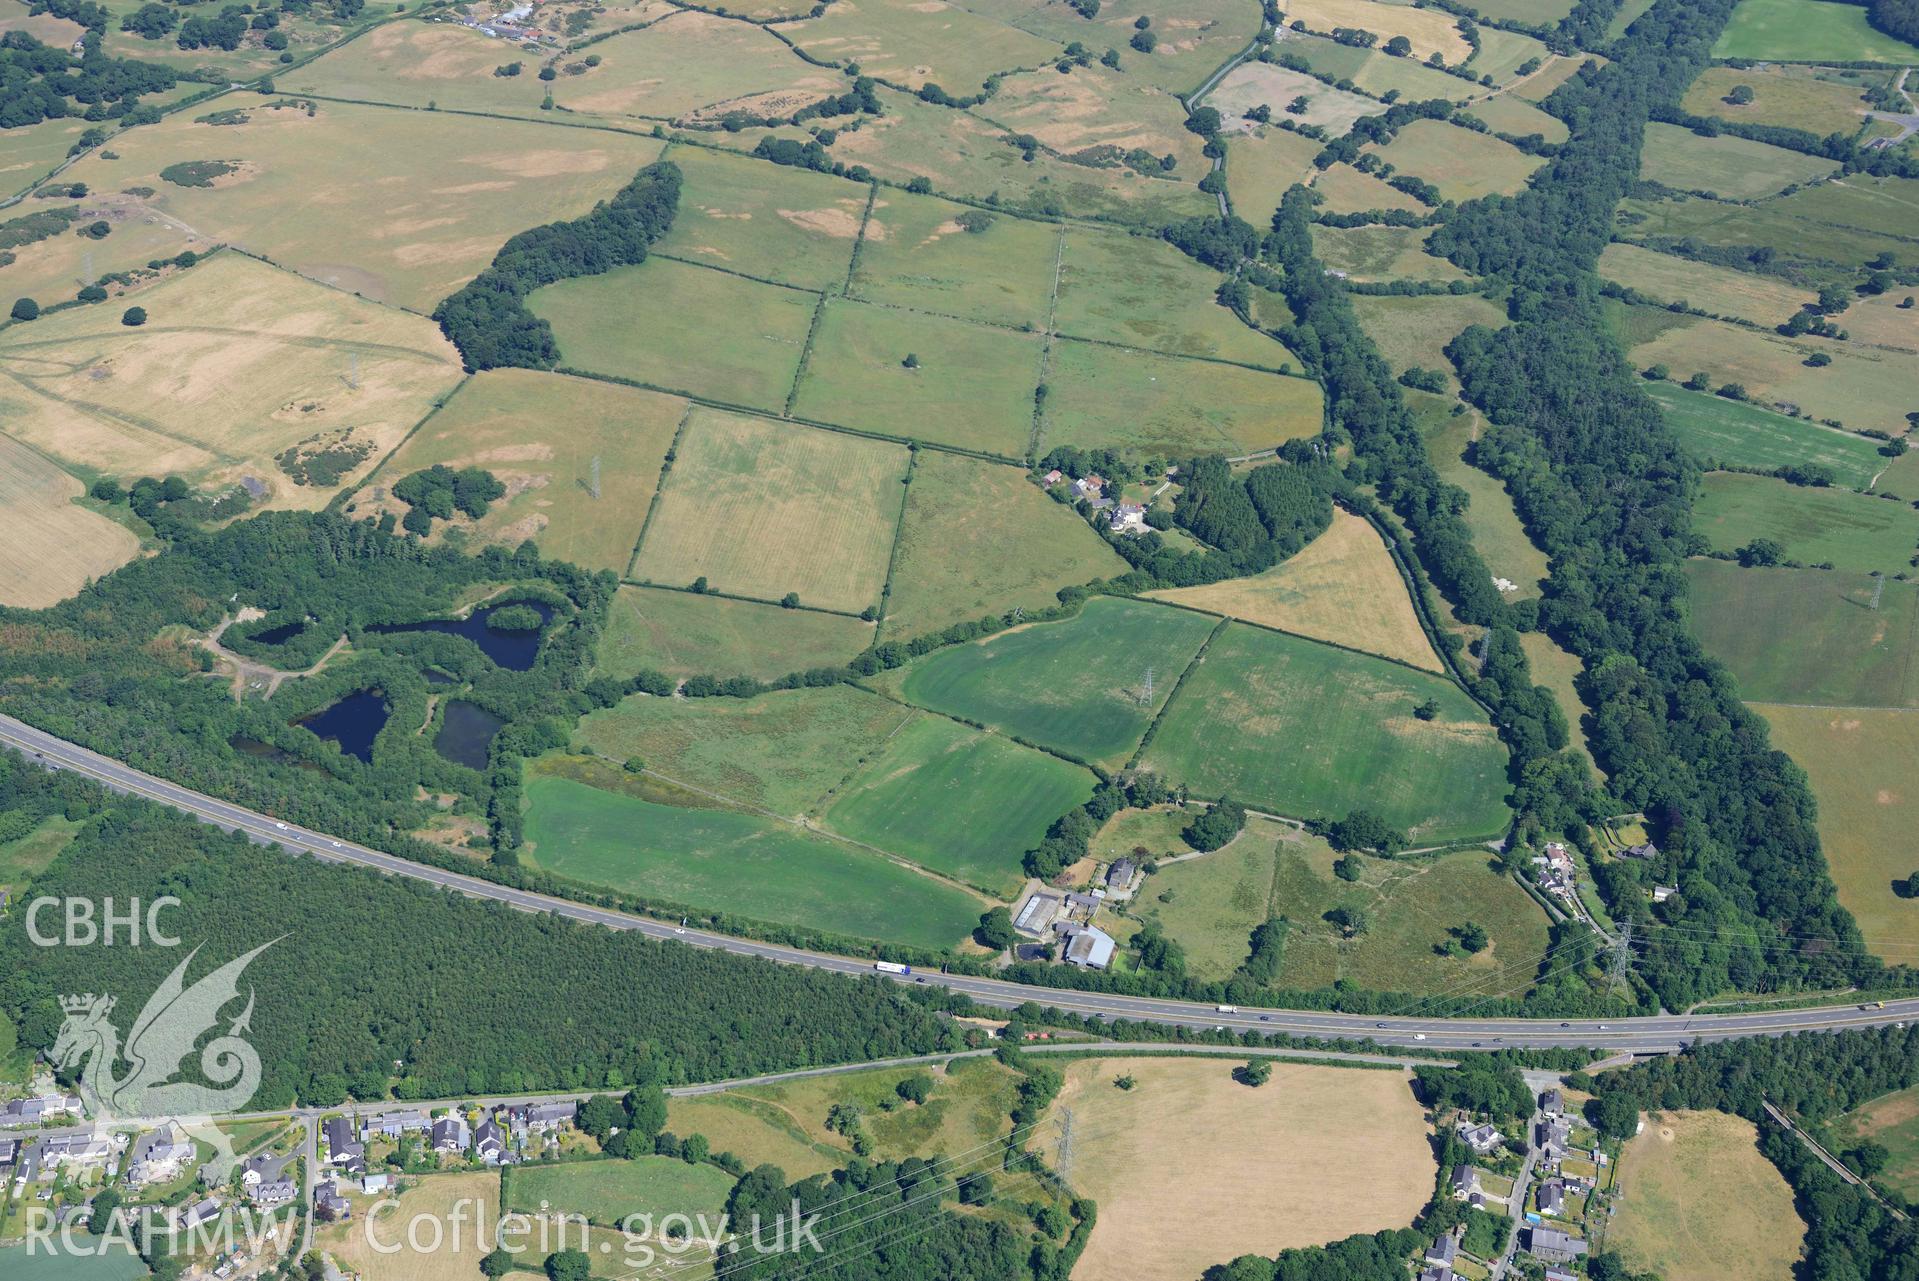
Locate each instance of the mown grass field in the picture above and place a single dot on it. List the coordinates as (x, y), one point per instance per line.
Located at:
(1378, 73)
(1727, 166)
(962, 155)
(689, 61)
(1212, 904)
(631, 323)
(1816, 526)
(1341, 587)
(1698, 1202)
(237, 362)
(1808, 635)
(1346, 190)
(1262, 165)
(1824, 221)
(916, 253)
(760, 508)
(1789, 97)
(756, 1133)
(960, 802)
(1195, 36)
(1464, 165)
(781, 752)
(54, 546)
(1496, 528)
(686, 635)
(1668, 278)
(1515, 116)
(1182, 1164)
(1078, 686)
(1111, 397)
(1862, 387)
(433, 1198)
(1315, 732)
(917, 44)
(1430, 30)
(1557, 669)
(1807, 31)
(973, 385)
(1255, 84)
(1502, 53)
(1382, 253)
(739, 864)
(1142, 292)
(541, 435)
(25, 858)
(1085, 115)
(1891, 1120)
(606, 1192)
(1863, 764)
(429, 196)
(775, 223)
(980, 538)
(1157, 831)
(1731, 432)
(1545, 12)
(415, 63)
(1414, 331)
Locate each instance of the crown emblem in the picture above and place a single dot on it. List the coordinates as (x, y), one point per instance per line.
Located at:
(84, 1003)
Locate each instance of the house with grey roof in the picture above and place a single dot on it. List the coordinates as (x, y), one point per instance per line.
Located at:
(1481, 1137)
(329, 1205)
(489, 1142)
(1443, 1252)
(159, 1155)
(450, 1134)
(268, 1179)
(1554, 1246)
(1552, 1103)
(392, 1125)
(1552, 1198)
(1088, 947)
(1465, 1182)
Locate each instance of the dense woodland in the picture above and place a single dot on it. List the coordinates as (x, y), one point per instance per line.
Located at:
(469, 997)
(488, 320)
(39, 82)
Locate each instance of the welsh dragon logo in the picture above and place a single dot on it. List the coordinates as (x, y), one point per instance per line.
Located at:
(174, 1021)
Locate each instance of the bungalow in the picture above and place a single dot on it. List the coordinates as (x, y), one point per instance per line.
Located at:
(84, 1148)
(1088, 947)
(1644, 850)
(392, 1125)
(40, 1109)
(1443, 1251)
(1552, 1198)
(1481, 1138)
(450, 1134)
(1465, 1183)
(1554, 1246)
(158, 1156)
(199, 1212)
(551, 1116)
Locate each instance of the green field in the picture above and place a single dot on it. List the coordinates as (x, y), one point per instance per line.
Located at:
(969, 1107)
(48, 1262)
(1378, 73)
(1261, 166)
(972, 386)
(1142, 292)
(1825, 221)
(1110, 397)
(1816, 526)
(686, 635)
(916, 253)
(1345, 189)
(1212, 904)
(632, 323)
(723, 861)
(1808, 635)
(1382, 253)
(1497, 530)
(1668, 278)
(25, 858)
(981, 538)
(1502, 53)
(1315, 732)
(1891, 1120)
(1518, 118)
(915, 44)
(775, 223)
(1863, 764)
(761, 508)
(1078, 686)
(1727, 166)
(1807, 31)
(1790, 97)
(960, 802)
(1463, 164)
(606, 1192)
(781, 751)
(1414, 331)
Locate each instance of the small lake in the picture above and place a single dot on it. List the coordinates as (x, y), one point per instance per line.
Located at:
(466, 732)
(268, 752)
(352, 723)
(514, 651)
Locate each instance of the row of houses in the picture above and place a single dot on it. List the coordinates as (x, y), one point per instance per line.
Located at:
(41, 1109)
(500, 1137)
(40, 1159)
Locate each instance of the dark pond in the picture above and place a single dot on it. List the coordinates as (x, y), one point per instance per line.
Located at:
(514, 651)
(466, 733)
(439, 679)
(279, 635)
(267, 752)
(352, 723)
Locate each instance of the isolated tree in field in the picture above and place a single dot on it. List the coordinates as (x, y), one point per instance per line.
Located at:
(1352, 921)
(1908, 888)
(568, 1265)
(1761, 552)
(1217, 826)
(916, 1088)
(995, 930)
(497, 1264)
(1740, 95)
(1144, 41)
(912, 361)
(25, 309)
(1125, 1082)
(790, 601)
(1348, 868)
(1428, 710)
(1254, 1072)
(1399, 47)
(1472, 937)
(1298, 105)
(1365, 830)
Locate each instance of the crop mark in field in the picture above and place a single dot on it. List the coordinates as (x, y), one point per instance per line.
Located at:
(659, 485)
(117, 416)
(310, 342)
(806, 355)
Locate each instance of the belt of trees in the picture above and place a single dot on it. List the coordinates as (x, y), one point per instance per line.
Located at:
(488, 319)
